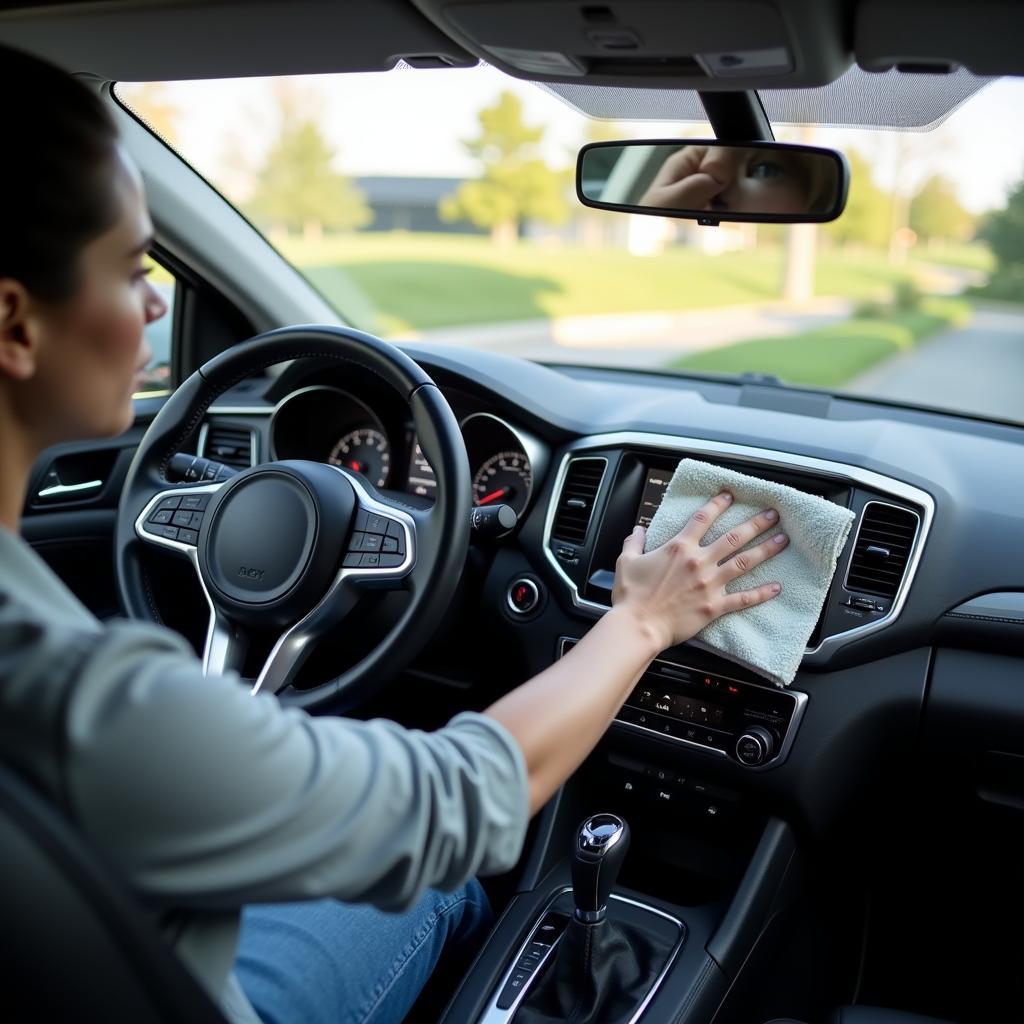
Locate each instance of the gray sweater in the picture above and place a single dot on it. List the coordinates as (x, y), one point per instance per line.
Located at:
(209, 798)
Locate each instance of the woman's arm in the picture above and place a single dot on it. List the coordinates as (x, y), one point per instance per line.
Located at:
(660, 598)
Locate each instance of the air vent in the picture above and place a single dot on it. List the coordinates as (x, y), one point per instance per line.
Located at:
(230, 445)
(576, 502)
(882, 551)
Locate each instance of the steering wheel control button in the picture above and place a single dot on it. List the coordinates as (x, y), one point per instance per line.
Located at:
(166, 503)
(755, 746)
(370, 560)
(390, 544)
(195, 502)
(166, 532)
(522, 596)
(189, 537)
(161, 516)
(376, 523)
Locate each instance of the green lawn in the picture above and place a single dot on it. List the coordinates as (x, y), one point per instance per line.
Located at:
(830, 356)
(966, 255)
(394, 282)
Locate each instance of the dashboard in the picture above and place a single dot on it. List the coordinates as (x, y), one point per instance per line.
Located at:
(921, 630)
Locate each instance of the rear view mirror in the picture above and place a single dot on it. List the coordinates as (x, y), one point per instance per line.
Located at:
(711, 181)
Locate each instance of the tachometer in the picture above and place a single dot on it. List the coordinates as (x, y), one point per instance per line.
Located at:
(504, 479)
(364, 451)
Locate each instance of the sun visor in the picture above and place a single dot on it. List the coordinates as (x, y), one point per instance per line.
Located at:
(146, 42)
(984, 36)
(669, 44)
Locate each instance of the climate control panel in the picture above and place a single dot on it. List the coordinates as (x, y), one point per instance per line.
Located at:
(750, 724)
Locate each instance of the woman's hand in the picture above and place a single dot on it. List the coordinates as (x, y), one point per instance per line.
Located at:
(677, 589)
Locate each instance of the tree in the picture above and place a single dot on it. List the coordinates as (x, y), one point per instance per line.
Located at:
(866, 219)
(936, 213)
(297, 187)
(1004, 232)
(516, 183)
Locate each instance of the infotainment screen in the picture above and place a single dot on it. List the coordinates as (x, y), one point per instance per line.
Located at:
(654, 490)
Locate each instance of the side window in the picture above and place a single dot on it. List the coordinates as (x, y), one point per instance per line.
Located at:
(159, 334)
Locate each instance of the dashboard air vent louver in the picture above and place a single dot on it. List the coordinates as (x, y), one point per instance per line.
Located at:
(230, 445)
(880, 556)
(576, 502)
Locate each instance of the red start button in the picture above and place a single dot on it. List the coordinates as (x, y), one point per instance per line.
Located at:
(523, 595)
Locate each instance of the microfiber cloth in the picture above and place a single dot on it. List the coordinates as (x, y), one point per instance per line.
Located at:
(769, 638)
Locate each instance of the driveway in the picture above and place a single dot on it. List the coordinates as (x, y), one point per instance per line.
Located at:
(638, 340)
(976, 368)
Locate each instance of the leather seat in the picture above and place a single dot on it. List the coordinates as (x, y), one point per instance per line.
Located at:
(75, 944)
(869, 1015)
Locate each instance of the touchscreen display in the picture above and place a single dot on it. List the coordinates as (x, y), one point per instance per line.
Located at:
(654, 490)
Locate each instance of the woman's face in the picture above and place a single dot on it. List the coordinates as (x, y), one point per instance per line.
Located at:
(91, 350)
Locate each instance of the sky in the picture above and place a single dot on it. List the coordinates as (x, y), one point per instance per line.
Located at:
(407, 122)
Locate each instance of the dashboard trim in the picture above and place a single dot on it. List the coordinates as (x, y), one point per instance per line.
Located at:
(758, 456)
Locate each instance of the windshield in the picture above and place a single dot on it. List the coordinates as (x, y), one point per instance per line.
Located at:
(439, 206)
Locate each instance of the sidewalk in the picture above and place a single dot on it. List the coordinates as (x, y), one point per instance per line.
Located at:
(637, 340)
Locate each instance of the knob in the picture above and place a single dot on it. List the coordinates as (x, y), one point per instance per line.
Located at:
(755, 746)
(597, 855)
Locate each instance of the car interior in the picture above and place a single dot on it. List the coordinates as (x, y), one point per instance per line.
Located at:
(846, 848)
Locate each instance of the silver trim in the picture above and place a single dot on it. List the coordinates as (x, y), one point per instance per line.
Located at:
(218, 633)
(492, 1015)
(760, 456)
(800, 703)
(512, 586)
(59, 489)
(220, 651)
(856, 539)
(532, 448)
(204, 433)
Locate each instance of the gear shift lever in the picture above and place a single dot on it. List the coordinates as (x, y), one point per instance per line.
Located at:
(597, 855)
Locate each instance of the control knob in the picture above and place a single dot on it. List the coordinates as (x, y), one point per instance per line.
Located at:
(755, 746)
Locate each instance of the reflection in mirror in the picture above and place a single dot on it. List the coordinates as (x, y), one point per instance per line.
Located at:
(709, 177)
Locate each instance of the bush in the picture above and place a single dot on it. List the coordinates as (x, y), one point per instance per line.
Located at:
(1006, 285)
(906, 296)
(871, 309)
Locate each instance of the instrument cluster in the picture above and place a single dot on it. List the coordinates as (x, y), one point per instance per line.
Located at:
(325, 423)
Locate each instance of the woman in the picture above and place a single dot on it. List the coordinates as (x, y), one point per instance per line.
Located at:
(209, 800)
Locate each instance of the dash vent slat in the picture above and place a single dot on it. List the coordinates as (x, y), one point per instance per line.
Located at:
(882, 551)
(576, 502)
(230, 445)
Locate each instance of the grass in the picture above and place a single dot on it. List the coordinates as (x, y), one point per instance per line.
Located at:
(830, 356)
(396, 282)
(965, 255)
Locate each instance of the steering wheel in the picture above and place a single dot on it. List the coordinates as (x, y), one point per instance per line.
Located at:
(291, 547)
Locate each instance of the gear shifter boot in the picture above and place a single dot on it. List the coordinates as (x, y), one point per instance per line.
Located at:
(601, 973)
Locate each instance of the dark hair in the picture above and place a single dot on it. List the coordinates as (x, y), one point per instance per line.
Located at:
(55, 174)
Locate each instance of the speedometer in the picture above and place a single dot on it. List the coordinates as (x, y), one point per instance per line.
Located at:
(504, 479)
(364, 451)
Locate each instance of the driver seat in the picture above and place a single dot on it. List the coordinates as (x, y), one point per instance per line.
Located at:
(74, 943)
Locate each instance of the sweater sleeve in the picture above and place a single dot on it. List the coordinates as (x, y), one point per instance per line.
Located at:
(212, 798)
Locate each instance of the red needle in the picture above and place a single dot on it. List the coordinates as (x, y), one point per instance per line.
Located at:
(500, 493)
(357, 466)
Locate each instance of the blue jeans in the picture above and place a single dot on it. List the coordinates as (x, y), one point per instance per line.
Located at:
(325, 962)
